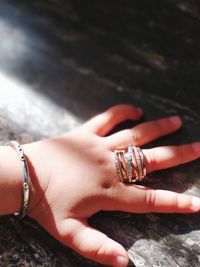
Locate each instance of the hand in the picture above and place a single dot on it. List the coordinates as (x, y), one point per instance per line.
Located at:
(73, 177)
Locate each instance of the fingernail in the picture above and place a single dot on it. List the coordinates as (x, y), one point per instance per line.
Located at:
(140, 111)
(121, 261)
(196, 203)
(196, 146)
(176, 120)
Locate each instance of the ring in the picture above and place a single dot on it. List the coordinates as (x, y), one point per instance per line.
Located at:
(130, 164)
(119, 164)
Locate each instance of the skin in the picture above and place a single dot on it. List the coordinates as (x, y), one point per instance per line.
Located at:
(73, 176)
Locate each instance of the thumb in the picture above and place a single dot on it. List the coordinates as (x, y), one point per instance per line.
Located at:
(91, 243)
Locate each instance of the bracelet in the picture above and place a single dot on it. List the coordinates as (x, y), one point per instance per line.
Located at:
(25, 192)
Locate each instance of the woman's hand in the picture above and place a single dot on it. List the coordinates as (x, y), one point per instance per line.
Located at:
(73, 177)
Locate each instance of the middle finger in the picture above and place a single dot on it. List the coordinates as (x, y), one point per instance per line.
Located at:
(143, 133)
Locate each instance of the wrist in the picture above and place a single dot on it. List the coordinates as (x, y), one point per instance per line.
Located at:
(38, 178)
(10, 181)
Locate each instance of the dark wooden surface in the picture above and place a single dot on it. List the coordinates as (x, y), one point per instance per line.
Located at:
(62, 62)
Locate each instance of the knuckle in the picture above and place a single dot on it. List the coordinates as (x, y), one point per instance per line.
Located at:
(150, 199)
(181, 151)
(160, 125)
(177, 200)
(108, 170)
(152, 161)
(135, 137)
(101, 250)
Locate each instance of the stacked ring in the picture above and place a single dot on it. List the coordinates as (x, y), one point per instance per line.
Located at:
(120, 164)
(130, 164)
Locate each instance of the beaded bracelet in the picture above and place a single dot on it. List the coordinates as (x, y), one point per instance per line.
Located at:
(25, 192)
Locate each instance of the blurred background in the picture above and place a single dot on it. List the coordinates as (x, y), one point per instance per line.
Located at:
(62, 61)
(84, 57)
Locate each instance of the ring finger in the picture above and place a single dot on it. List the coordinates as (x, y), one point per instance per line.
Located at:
(169, 156)
(166, 156)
